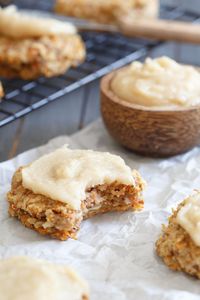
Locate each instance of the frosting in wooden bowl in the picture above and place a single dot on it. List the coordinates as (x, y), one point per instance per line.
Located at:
(161, 83)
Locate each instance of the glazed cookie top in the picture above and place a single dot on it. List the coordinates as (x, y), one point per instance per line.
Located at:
(130, 3)
(158, 83)
(189, 217)
(16, 24)
(65, 174)
(23, 278)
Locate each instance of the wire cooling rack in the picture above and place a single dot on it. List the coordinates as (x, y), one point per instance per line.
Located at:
(105, 52)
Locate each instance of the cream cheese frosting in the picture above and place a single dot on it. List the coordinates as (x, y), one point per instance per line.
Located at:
(16, 24)
(66, 174)
(158, 83)
(23, 278)
(188, 217)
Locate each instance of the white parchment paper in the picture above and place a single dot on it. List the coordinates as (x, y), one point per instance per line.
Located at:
(114, 252)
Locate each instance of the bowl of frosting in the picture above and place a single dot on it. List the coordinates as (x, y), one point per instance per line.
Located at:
(153, 108)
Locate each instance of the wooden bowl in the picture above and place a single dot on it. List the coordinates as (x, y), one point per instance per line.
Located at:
(150, 132)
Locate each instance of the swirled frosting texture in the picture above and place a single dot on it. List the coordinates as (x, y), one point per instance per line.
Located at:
(158, 83)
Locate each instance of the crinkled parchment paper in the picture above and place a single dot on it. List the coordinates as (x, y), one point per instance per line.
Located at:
(114, 252)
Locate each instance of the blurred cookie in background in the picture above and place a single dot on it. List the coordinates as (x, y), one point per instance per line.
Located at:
(32, 46)
(107, 11)
(25, 278)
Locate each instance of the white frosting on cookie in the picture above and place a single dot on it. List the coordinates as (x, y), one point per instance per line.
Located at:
(23, 278)
(66, 174)
(189, 217)
(16, 24)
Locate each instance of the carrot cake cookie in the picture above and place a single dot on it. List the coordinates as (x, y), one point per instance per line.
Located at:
(32, 46)
(179, 243)
(53, 194)
(107, 11)
(24, 278)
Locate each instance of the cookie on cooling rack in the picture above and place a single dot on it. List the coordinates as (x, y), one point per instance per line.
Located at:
(55, 193)
(179, 243)
(107, 11)
(32, 46)
(26, 278)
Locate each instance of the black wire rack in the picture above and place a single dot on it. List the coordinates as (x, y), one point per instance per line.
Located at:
(105, 52)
